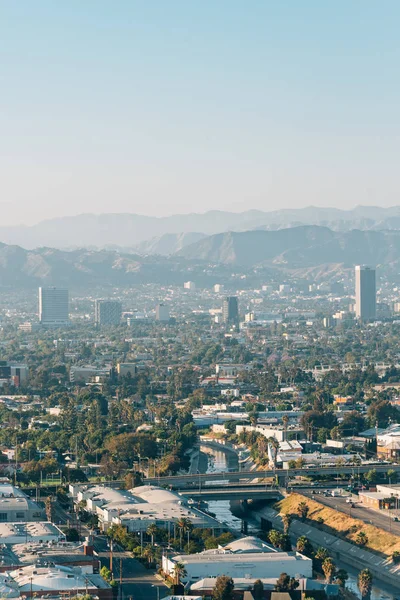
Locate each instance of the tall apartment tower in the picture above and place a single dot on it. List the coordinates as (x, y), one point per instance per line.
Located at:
(365, 293)
(107, 312)
(230, 310)
(162, 313)
(53, 307)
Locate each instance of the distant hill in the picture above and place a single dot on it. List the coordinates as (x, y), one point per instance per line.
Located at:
(131, 230)
(169, 243)
(309, 252)
(298, 247)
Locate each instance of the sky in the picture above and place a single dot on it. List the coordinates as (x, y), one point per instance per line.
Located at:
(177, 106)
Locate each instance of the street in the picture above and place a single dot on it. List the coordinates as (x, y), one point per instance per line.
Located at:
(138, 582)
(367, 515)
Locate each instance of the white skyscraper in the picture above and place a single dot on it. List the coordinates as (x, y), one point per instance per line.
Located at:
(53, 306)
(365, 293)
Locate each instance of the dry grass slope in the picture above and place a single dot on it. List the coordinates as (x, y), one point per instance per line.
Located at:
(347, 527)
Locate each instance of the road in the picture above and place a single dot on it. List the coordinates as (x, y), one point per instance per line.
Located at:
(138, 583)
(367, 515)
(185, 481)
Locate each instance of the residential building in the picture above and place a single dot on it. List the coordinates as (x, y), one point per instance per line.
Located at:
(13, 373)
(365, 293)
(162, 313)
(88, 374)
(124, 368)
(189, 285)
(53, 307)
(230, 311)
(107, 312)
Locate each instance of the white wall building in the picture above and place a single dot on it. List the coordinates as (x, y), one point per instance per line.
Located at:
(248, 558)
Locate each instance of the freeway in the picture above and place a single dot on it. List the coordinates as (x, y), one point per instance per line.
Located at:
(367, 515)
(179, 481)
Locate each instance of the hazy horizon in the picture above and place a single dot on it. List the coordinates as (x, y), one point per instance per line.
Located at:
(199, 212)
(174, 108)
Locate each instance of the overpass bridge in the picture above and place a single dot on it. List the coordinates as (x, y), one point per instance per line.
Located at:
(201, 479)
(233, 492)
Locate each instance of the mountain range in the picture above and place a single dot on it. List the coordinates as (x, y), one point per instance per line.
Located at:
(166, 235)
(310, 252)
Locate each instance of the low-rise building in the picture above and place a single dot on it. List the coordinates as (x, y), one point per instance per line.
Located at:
(15, 506)
(139, 507)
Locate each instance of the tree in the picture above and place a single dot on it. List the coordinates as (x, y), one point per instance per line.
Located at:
(179, 572)
(285, 583)
(258, 590)
(302, 510)
(321, 553)
(329, 569)
(149, 553)
(341, 577)
(223, 589)
(392, 476)
(71, 534)
(370, 476)
(364, 582)
(287, 519)
(274, 444)
(151, 531)
(304, 546)
(274, 537)
(362, 538)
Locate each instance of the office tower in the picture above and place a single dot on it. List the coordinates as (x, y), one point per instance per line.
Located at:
(230, 310)
(53, 307)
(162, 313)
(365, 293)
(107, 312)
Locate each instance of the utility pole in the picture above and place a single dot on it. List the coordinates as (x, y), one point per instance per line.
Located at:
(111, 555)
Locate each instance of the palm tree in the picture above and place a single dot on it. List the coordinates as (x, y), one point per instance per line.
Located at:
(304, 546)
(341, 577)
(362, 538)
(321, 553)
(148, 553)
(329, 569)
(365, 582)
(273, 442)
(303, 510)
(151, 531)
(185, 526)
(179, 572)
(285, 421)
(287, 519)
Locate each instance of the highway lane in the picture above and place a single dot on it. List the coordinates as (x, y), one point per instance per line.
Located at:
(367, 515)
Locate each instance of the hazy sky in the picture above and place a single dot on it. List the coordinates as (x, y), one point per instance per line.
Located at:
(181, 105)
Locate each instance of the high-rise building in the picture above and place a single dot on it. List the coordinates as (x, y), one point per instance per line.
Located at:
(53, 306)
(230, 310)
(162, 313)
(189, 285)
(107, 312)
(365, 293)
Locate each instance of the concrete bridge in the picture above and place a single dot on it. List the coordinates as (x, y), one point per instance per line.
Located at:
(200, 479)
(234, 492)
